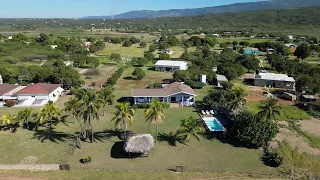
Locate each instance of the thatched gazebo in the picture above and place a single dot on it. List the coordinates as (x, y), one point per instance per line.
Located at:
(138, 145)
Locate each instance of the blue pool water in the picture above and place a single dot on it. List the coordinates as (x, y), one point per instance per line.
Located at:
(213, 124)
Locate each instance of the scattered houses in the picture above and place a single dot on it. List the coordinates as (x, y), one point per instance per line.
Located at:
(273, 80)
(33, 95)
(171, 66)
(250, 51)
(220, 79)
(172, 93)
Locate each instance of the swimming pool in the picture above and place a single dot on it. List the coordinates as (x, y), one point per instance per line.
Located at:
(213, 124)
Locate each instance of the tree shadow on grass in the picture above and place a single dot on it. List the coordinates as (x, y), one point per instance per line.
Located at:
(117, 151)
(129, 78)
(224, 138)
(107, 134)
(172, 139)
(52, 136)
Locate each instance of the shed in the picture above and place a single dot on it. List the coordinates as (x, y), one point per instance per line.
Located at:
(250, 51)
(138, 145)
(220, 79)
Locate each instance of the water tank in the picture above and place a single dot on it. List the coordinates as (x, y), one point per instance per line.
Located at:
(203, 78)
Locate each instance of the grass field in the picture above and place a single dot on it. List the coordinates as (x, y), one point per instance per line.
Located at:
(287, 112)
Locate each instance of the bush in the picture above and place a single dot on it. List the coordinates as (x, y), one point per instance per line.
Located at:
(195, 85)
(92, 72)
(141, 106)
(12, 81)
(164, 56)
(272, 159)
(10, 103)
(86, 160)
(149, 55)
(143, 44)
(127, 44)
(152, 48)
(139, 73)
(155, 85)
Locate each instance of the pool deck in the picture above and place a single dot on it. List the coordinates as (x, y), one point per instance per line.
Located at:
(221, 118)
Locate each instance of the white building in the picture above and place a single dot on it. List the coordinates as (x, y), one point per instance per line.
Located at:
(290, 37)
(53, 46)
(33, 95)
(68, 63)
(220, 79)
(168, 51)
(170, 66)
(274, 80)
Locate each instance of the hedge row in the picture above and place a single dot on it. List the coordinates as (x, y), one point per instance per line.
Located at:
(114, 78)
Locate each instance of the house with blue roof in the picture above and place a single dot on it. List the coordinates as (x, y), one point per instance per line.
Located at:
(250, 51)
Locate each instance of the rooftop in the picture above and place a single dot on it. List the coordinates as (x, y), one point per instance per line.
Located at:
(39, 88)
(170, 63)
(275, 77)
(171, 89)
(6, 88)
(221, 77)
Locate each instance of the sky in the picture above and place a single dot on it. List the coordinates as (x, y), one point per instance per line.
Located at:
(81, 8)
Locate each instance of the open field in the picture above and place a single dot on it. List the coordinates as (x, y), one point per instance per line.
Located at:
(100, 174)
(133, 51)
(100, 79)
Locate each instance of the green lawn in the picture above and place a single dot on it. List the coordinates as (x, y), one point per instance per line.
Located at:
(287, 112)
(133, 51)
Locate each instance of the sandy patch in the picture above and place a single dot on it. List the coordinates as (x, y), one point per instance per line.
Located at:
(29, 160)
(311, 126)
(295, 140)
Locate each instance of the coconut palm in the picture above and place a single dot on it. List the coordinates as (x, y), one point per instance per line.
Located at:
(107, 96)
(191, 127)
(89, 107)
(9, 121)
(123, 115)
(270, 109)
(70, 107)
(24, 116)
(47, 113)
(155, 113)
(237, 100)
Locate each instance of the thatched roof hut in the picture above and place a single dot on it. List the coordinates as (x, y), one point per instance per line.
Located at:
(139, 144)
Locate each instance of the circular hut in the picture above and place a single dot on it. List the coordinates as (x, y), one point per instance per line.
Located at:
(138, 145)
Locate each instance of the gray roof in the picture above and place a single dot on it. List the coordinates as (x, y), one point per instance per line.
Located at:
(275, 77)
(171, 89)
(221, 77)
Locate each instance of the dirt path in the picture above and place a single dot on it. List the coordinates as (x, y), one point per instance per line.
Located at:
(311, 126)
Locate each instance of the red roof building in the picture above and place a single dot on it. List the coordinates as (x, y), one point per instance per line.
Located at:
(39, 88)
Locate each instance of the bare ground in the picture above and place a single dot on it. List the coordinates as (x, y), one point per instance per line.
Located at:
(295, 141)
(311, 126)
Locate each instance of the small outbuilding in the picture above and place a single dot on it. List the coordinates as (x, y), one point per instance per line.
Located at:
(171, 66)
(138, 145)
(220, 79)
(250, 51)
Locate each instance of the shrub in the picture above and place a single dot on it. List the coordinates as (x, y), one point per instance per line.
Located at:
(92, 72)
(139, 73)
(155, 85)
(272, 159)
(141, 106)
(164, 56)
(10, 103)
(143, 44)
(127, 44)
(149, 55)
(12, 81)
(86, 160)
(195, 85)
(152, 48)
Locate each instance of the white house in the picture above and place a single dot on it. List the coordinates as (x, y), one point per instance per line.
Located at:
(68, 63)
(170, 66)
(53, 46)
(173, 93)
(220, 79)
(274, 80)
(290, 37)
(33, 95)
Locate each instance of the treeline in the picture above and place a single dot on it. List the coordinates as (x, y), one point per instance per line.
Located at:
(265, 19)
(57, 73)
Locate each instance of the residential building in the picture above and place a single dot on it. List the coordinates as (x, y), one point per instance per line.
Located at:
(33, 95)
(292, 47)
(68, 63)
(172, 93)
(53, 46)
(250, 51)
(273, 80)
(171, 66)
(220, 79)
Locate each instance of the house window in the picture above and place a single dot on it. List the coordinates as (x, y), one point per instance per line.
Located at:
(141, 98)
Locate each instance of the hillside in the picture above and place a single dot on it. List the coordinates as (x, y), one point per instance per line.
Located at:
(237, 7)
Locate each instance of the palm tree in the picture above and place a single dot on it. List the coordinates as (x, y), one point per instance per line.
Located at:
(9, 120)
(123, 115)
(71, 108)
(107, 96)
(155, 113)
(270, 109)
(89, 107)
(191, 127)
(238, 99)
(24, 116)
(48, 112)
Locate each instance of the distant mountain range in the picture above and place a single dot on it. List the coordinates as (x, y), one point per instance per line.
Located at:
(237, 7)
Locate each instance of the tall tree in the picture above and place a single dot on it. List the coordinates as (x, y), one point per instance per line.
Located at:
(270, 109)
(237, 100)
(47, 113)
(24, 116)
(303, 51)
(191, 127)
(123, 116)
(89, 107)
(71, 108)
(107, 96)
(155, 113)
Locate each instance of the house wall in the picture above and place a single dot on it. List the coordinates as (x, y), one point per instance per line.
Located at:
(274, 84)
(165, 68)
(183, 99)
